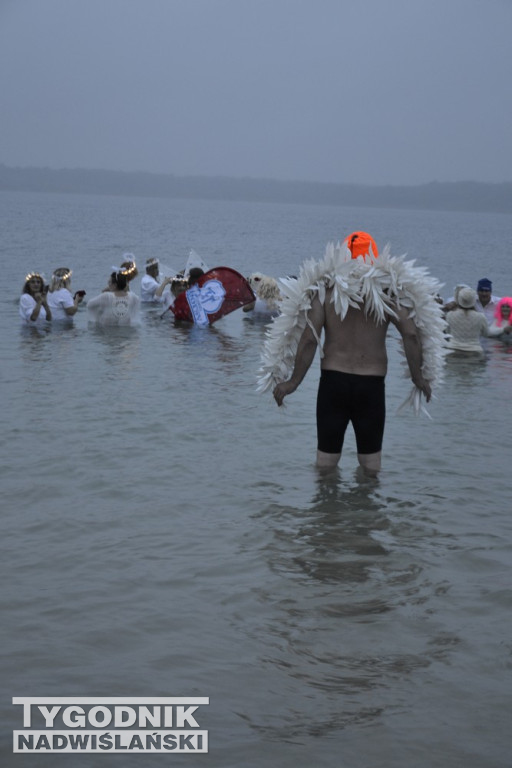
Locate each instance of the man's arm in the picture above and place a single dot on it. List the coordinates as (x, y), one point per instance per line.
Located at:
(305, 352)
(413, 350)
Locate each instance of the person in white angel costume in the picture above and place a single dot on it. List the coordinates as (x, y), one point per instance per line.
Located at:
(352, 295)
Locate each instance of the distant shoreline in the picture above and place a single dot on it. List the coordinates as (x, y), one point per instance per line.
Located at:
(470, 196)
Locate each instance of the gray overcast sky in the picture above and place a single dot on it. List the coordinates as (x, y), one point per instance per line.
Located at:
(365, 91)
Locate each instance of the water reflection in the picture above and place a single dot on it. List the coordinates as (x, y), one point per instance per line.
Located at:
(467, 366)
(332, 564)
(343, 614)
(33, 341)
(331, 549)
(121, 343)
(332, 540)
(210, 351)
(500, 363)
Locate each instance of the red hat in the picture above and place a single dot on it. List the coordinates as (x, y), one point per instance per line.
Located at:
(361, 244)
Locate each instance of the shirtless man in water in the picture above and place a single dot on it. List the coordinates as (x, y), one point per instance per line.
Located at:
(352, 378)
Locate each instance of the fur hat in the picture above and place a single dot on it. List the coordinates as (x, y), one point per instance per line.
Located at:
(466, 298)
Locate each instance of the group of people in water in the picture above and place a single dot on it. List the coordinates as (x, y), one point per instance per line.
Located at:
(117, 304)
(471, 315)
(343, 298)
(42, 303)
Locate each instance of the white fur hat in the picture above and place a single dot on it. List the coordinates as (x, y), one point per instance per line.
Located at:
(466, 298)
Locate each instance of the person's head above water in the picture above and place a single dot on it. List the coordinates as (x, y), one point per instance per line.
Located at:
(361, 244)
(60, 279)
(466, 297)
(484, 285)
(484, 290)
(152, 267)
(34, 283)
(128, 266)
(118, 281)
(503, 312)
(194, 275)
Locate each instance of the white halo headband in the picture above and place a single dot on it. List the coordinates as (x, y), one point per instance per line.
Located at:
(67, 273)
(126, 271)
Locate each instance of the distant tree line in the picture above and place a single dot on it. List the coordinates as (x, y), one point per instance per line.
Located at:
(448, 196)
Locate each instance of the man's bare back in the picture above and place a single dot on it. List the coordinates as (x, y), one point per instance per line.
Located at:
(356, 344)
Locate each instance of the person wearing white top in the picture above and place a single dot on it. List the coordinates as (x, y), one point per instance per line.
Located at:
(151, 288)
(486, 303)
(34, 307)
(465, 324)
(115, 306)
(62, 304)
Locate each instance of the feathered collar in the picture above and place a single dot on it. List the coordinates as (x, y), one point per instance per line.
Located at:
(376, 284)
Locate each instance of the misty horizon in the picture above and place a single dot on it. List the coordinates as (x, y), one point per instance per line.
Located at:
(249, 177)
(454, 196)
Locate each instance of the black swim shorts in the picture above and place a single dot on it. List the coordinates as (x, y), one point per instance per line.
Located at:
(345, 397)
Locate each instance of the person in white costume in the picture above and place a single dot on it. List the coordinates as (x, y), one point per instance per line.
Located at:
(465, 324)
(115, 306)
(353, 296)
(151, 287)
(60, 300)
(34, 309)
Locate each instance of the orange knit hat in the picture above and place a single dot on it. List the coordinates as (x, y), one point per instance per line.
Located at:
(361, 244)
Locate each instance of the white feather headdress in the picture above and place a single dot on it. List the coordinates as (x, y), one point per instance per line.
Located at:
(376, 284)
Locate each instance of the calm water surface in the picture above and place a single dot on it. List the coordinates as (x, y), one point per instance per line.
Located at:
(164, 531)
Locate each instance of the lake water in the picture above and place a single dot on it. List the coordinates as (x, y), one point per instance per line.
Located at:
(165, 533)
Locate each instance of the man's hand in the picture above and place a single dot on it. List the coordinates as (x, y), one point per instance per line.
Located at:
(283, 389)
(425, 387)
